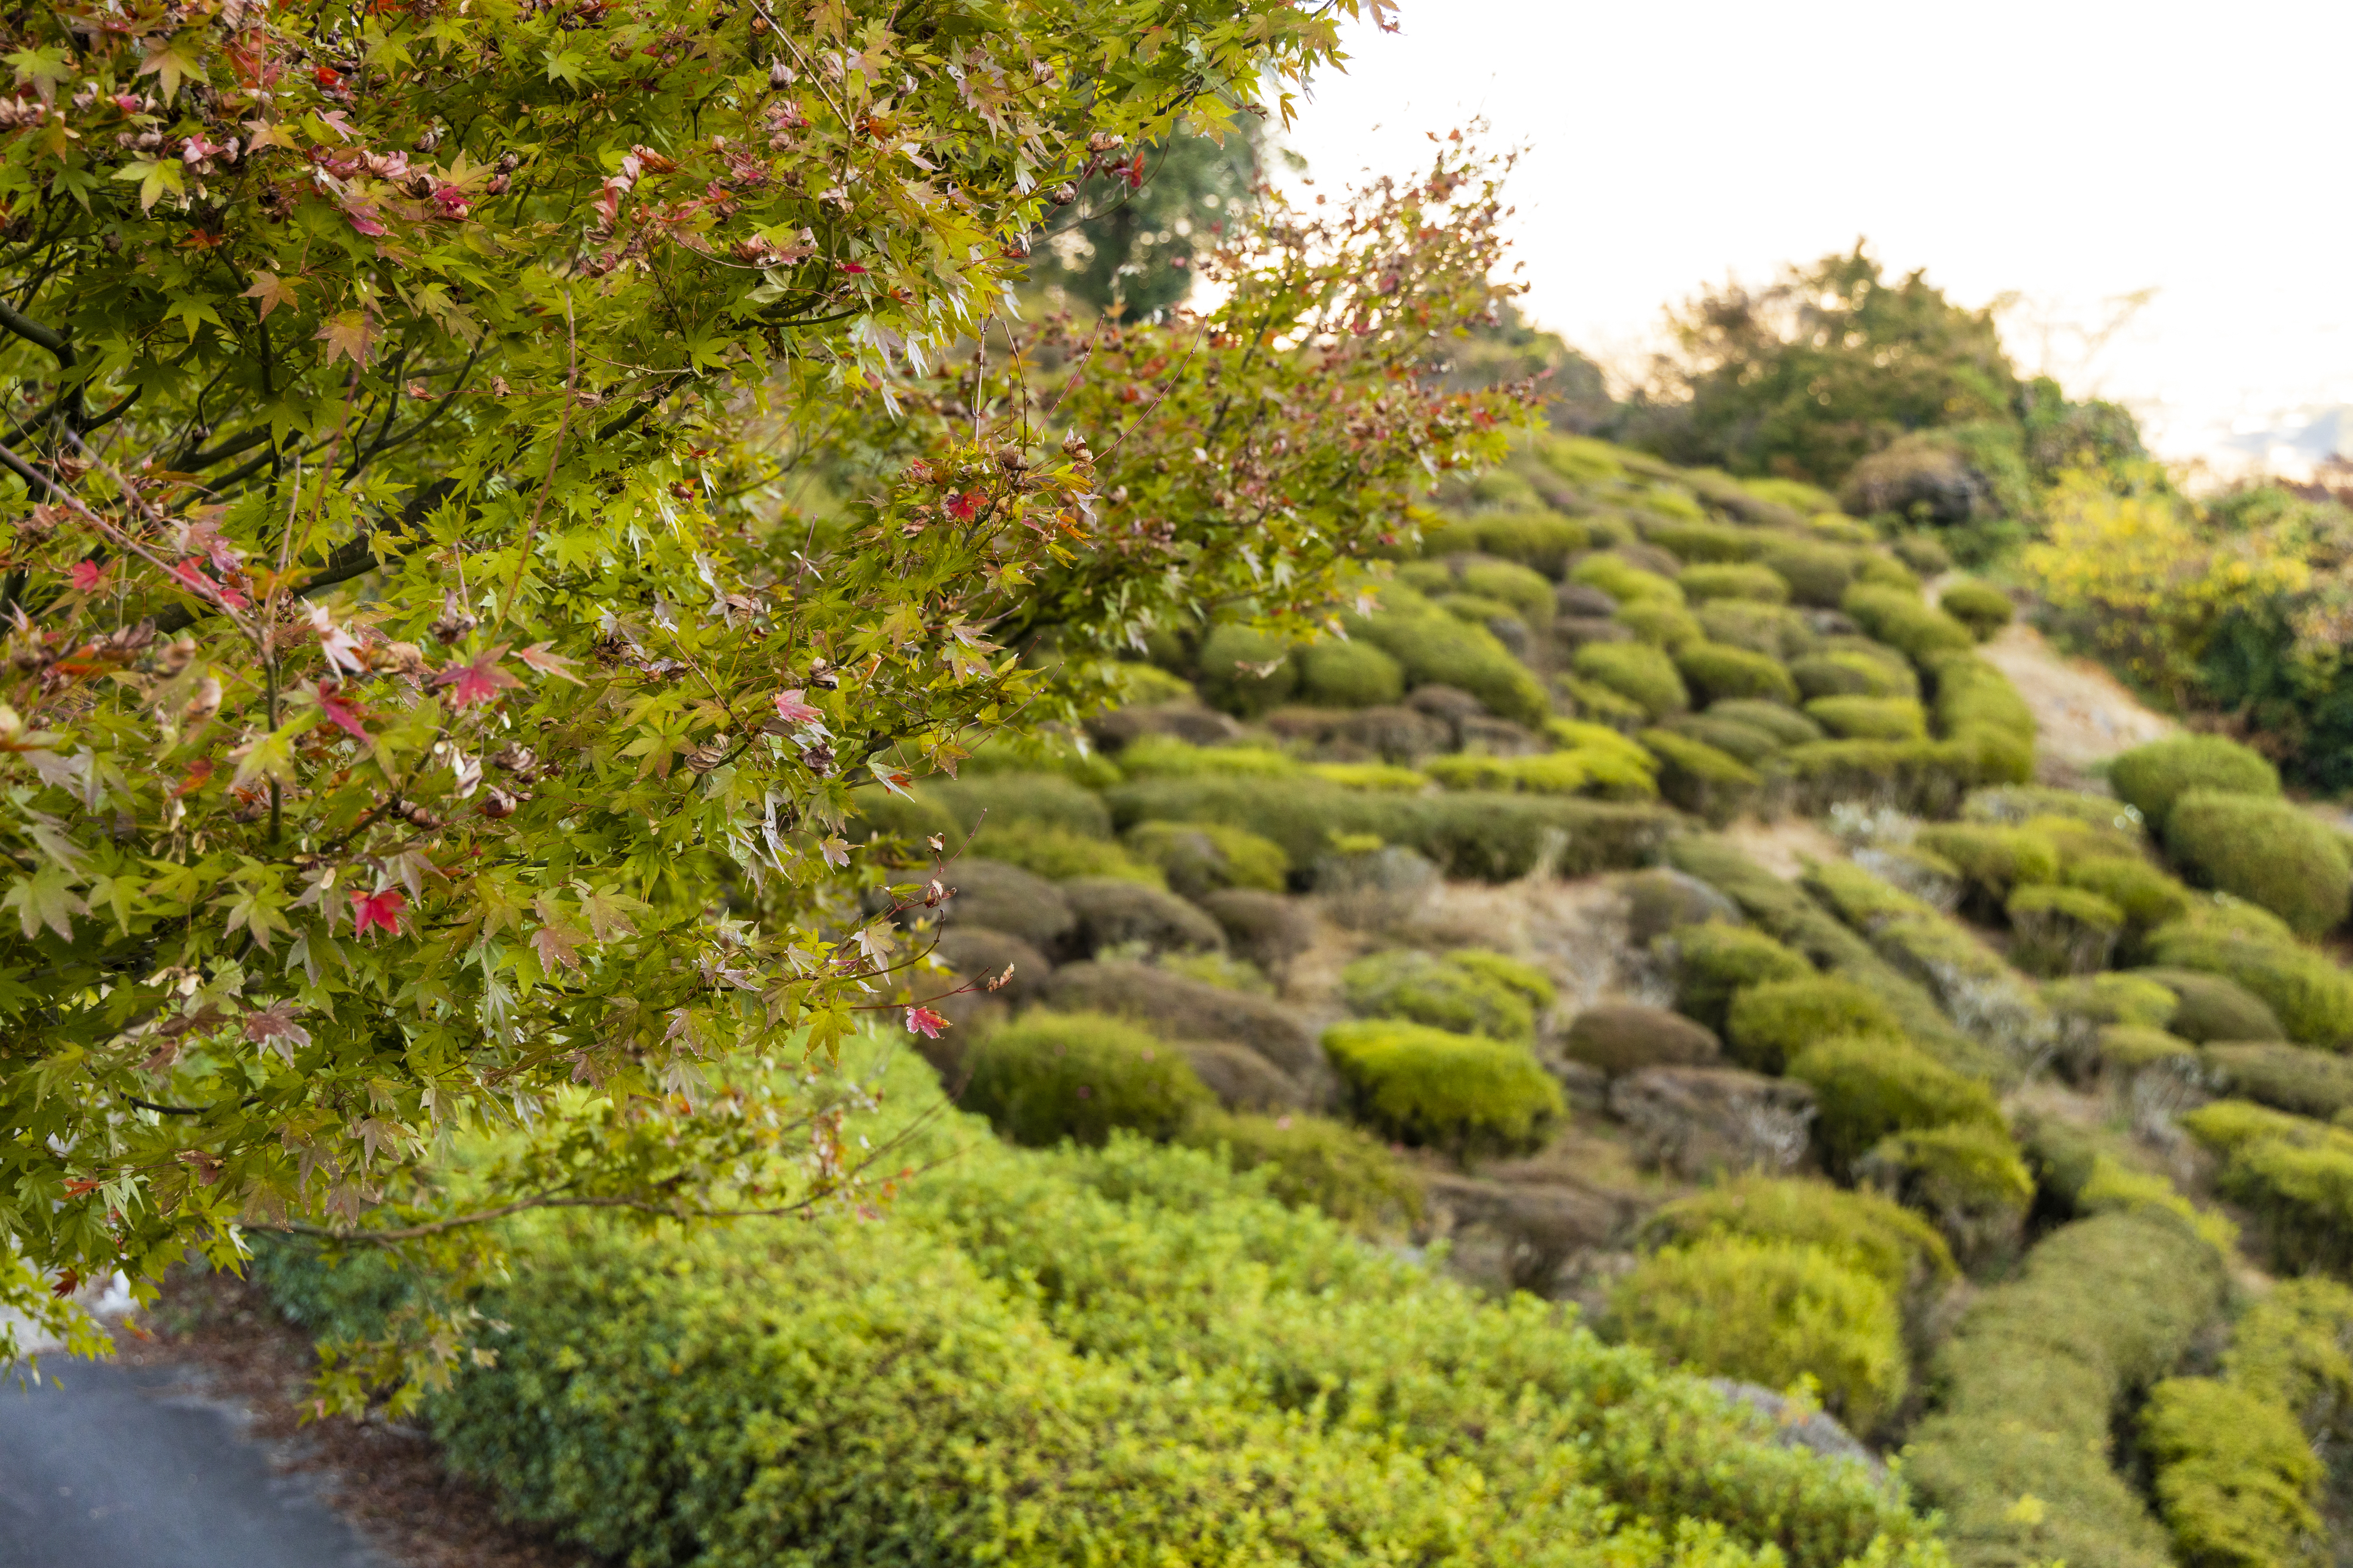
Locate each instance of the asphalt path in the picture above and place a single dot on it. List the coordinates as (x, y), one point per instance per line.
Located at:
(115, 1466)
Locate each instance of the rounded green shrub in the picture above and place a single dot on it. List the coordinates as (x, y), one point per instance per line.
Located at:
(2264, 850)
(2306, 991)
(1352, 674)
(1770, 1312)
(910, 818)
(2128, 1048)
(1776, 631)
(1903, 620)
(1661, 624)
(1866, 1231)
(1527, 591)
(1869, 718)
(1715, 960)
(1244, 671)
(1716, 672)
(1967, 1177)
(1994, 860)
(1867, 1090)
(2209, 1007)
(1620, 1037)
(1197, 857)
(1924, 554)
(1818, 572)
(1731, 581)
(1514, 975)
(1434, 648)
(2234, 1474)
(1313, 1163)
(1541, 540)
(1636, 671)
(1702, 543)
(2287, 1077)
(1771, 1023)
(1439, 992)
(2151, 778)
(1047, 799)
(1979, 606)
(1786, 725)
(1710, 784)
(1058, 855)
(1464, 1094)
(2061, 931)
(1493, 614)
(2147, 896)
(1744, 744)
(1077, 1076)
(1886, 571)
(1973, 694)
(1623, 581)
(1167, 757)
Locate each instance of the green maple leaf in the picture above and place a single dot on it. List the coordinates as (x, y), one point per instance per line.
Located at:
(173, 61)
(46, 899)
(155, 177)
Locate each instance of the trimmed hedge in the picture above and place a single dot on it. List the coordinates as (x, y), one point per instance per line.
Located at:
(2287, 1077)
(1904, 621)
(1839, 673)
(1716, 672)
(1057, 854)
(2294, 1348)
(1351, 674)
(1869, 718)
(1715, 960)
(1770, 1024)
(1532, 983)
(2146, 897)
(1227, 671)
(1994, 860)
(2266, 851)
(1733, 581)
(1866, 1231)
(1775, 630)
(2306, 991)
(1623, 581)
(1079, 1076)
(2234, 1475)
(2209, 1007)
(1786, 725)
(1621, 1037)
(1744, 744)
(1541, 540)
(1527, 591)
(1866, 1090)
(1661, 624)
(2151, 778)
(1198, 858)
(1439, 992)
(1047, 799)
(1167, 757)
(1969, 1178)
(1980, 606)
(1818, 572)
(1771, 1312)
(2016, 1453)
(1434, 648)
(1312, 1163)
(1702, 543)
(1462, 1094)
(2061, 931)
(2015, 805)
(1636, 671)
(1712, 785)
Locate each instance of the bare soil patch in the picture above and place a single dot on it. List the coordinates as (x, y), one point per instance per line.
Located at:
(2082, 714)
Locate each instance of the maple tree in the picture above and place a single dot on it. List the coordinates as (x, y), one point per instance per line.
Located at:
(416, 716)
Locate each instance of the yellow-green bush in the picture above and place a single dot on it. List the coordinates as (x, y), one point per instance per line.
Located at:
(1924, 554)
(2147, 896)
(2016, 1451)
(1702, 543)
(1843, 673)
(1993, 860)
(1786, 725)
(2306, 991)
(1717, 671)
(1513, 973)
(1554, 773)
(1464, 1094)
(1864, 1230)
(2294, 1348)
(1994, 1003)
(1970, 1179)
(2284, 1076)
(2151, 778)
(1771, 1023)
(1636, 671)
(2266, 851)
(1715, 962)
(1903, 620)
(1623, 581)
(2295, 1175)
(2209, 1007)
(1702, 780)
(1771, 1312)
(1866, 1090)
(1443, 993)
(1079, 1076)
(1774, 630)
(1979, 606)
(1818, 572)
(1527, 591)
(1313, 1162)
(1744, 744)
(2061, 931)
(1869, 718)
(1972, 694)
(1661, 624)
(1731, 581)
(1058, 854)
(2233, 1474)
(1350, 674)
(1167, 757)
(1198, 858)
(1228, 670)
(1922, 777)
(1541, 540)
(2014, 805)
(1380, 778)
(1047, 799)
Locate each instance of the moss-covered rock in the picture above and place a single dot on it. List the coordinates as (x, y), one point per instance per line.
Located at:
(1464, 1094)
(1716, 672)
(1080, 1076)
(2264, 850)
(2151, 778)
(1770, 1024)
(1620, 1037)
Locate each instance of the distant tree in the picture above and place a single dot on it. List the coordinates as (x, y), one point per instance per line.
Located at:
(1126, 236)
(1576, 396)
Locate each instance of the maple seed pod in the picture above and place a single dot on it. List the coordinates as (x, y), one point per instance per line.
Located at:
(780, 74)
(508, 162)
(819, 760)
(422, 818)
(516, 759)
(1012, 459)
(1064, 194)
(455, 623)
(496, 803)
(174, 656)
(823, 676)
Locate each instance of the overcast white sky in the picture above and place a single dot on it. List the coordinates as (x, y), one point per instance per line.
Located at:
(2070, 152)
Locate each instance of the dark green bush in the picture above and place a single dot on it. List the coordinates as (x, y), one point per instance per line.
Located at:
(1715, 960)
(1620, 1037)
(2151, 778)
(1786, 725)
(2306, 991)
(1924, 554)
(1636, 671)
(1884, 571)
(1464, 1094)
(1077, 1076)
(2147, 896)
(1434, 648)
(1770, 1312)
(1198, 858)
(1047, 799)
(1845, 674)
(2266, 851)
(1774, 630)
(1770, 1024)
(1729, 581)
(2212, 1008)
(910, 818)
(2233, 1475)
(1004, 898)
(1114, 914)
(2287, 1077)
(1229, 668)
(1439, 991)
(1352, 674)
(2016, 1452)
(1178, 1006)
(1264, 929)
(1979, 606)
(1866, 1231)
(1904, 621)
(1869, 718)
(1661, 624)
(1702, 780)
(2061, 931)
(1312, 1163)
(1970, 1179)
(1818, 572)
(1869, 1088)
(1717, 671)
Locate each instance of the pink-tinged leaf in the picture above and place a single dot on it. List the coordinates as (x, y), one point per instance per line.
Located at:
(481, 681)
(556, 945)
(341, 712)
(341, 648)
(274, 1027)
(377, 912)
(924, 1022)
(836, 852)
(88, 576)
(363, 217)
(545, 660)
(792, 710)
(966, 507)
(895, 783)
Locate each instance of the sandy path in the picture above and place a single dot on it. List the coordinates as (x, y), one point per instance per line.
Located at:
(2083, 714)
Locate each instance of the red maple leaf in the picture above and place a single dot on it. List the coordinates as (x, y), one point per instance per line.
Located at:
(371, 910)
(87, 576)
(340, 711)
(792, 710)
(327, 76)
(924, 1022)
(479, 681)
(966, 507)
